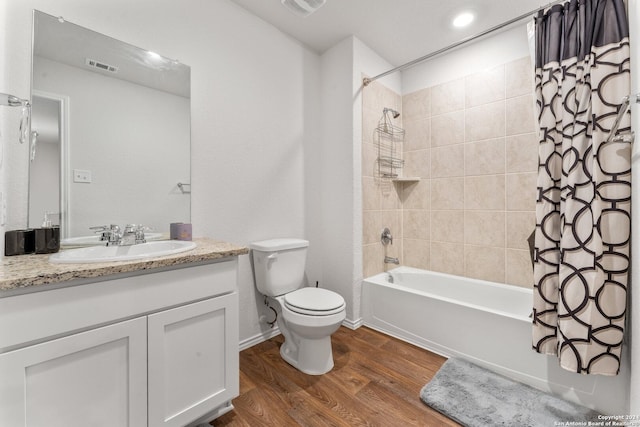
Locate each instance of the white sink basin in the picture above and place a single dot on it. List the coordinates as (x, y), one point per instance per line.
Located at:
(95, 240)
(121, 253)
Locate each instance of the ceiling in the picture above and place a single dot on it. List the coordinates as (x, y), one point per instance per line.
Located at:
(398, 30)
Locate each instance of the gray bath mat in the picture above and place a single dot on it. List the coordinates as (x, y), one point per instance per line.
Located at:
(474, 396)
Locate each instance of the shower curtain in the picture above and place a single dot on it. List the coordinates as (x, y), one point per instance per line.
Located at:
(582, 236)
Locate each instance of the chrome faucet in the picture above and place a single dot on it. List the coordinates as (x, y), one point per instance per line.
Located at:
(108, 233)
(386, 237)
(133, 234)
(390, 260)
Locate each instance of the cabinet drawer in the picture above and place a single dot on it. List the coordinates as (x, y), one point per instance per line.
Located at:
(30, 318)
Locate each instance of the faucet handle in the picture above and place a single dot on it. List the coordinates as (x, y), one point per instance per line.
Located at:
(108, 233)
(386, 237)
(138, 230)
(101, 228)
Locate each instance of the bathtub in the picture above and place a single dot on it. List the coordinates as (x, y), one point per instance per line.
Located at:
(483, 322)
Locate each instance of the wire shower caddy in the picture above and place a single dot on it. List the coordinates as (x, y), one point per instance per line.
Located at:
(389, 139)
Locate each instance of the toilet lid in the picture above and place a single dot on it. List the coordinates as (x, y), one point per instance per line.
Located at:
(314, 301)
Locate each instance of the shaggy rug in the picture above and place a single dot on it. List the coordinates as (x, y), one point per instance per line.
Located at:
(474, 396)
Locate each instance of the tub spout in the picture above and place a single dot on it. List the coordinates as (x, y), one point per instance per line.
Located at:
(390, 260)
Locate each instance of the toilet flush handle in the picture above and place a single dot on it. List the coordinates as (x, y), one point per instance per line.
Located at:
(273, 256)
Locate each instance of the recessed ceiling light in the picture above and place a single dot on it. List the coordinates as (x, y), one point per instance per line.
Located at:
(463, 19)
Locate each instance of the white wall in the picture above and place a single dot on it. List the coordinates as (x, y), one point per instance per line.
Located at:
(341, 183)
(505, 46)
(253, 112)
(336, 173)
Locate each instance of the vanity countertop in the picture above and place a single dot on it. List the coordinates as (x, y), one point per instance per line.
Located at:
(27, 271)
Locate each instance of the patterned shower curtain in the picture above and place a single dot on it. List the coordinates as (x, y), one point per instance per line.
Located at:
(582, 236)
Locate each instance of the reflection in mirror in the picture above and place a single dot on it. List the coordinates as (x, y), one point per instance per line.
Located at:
(110, 132)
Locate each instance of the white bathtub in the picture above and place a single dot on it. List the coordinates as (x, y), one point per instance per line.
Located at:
(486, 323)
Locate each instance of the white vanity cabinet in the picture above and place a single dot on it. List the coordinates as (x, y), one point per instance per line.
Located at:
(193, 360)
(98, 376)
(155, 349)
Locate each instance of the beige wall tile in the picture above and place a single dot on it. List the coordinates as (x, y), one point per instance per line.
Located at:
(447, 161)
(377, 96)
(521, 191)
(519, 228)
(417, 134)
(370, 194)
(369, 160)
(394, 251)
(447, 97)
(390, 99)
(370, 119)
(393, 221)
(373, 97)
(371, 226)
(389, 195)
(447, 258)
(484, 157)
(416, 195)
(447, 226)
(485, 263)
(416, 253)
(485, 122)
(372, 259)
(522, 153)
(417, 105)
(415, 224)
(519, 77)
(484, 228)
(484, 192)
(484, 87)
(447, 193)
(478, 167)
(417, 163)
(447, 129)
(520, 116)
(519, 269)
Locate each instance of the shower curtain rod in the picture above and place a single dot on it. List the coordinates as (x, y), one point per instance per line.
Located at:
(367, 80)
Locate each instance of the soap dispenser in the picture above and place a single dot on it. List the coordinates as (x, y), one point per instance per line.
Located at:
(47, 237)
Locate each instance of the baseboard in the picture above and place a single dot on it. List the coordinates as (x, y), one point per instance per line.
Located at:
(257, 339)
(353, 324)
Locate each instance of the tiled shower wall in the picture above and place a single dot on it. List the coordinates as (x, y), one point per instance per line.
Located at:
(472, 142)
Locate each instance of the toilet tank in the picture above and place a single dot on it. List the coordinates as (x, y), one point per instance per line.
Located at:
(279, 264)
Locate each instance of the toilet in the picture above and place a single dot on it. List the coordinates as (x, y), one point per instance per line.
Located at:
(306, 316)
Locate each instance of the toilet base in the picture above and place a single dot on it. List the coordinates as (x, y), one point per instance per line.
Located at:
(315, 356)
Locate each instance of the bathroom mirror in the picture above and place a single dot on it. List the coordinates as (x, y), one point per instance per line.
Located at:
(110, 132)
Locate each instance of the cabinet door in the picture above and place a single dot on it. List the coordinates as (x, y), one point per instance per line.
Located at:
(93, 378)
(193, 360)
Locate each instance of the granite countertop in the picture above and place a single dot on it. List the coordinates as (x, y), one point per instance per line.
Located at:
(27, 271)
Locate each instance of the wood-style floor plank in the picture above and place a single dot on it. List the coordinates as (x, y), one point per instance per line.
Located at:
(376, 381)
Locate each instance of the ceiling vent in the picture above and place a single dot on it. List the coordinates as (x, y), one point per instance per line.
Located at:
(303, 8)
(100, 65)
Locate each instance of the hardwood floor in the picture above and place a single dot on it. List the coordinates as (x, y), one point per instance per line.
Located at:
(376, 381)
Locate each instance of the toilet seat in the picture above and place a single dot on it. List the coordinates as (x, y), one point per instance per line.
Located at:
(314, 302)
